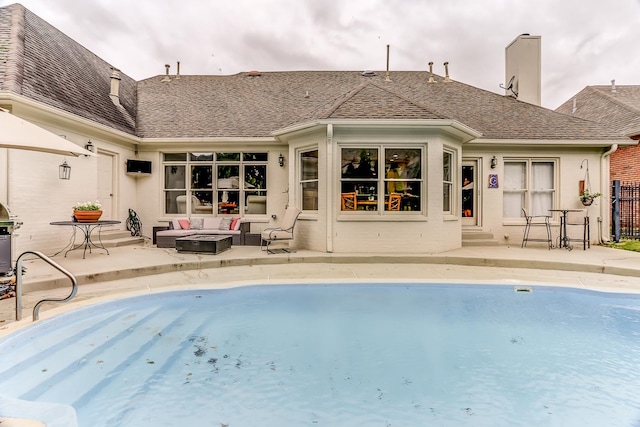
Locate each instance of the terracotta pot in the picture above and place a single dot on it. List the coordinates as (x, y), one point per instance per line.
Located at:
(87, 216)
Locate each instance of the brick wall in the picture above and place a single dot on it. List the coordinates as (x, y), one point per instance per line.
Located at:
(625, 164)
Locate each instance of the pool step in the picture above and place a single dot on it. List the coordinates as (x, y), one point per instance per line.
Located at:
(114, 238)
(478, 238)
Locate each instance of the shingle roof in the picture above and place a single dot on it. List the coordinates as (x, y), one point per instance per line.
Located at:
(242, 105)
(46, 65)
(619, 110)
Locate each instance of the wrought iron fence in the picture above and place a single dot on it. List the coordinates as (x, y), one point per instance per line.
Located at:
(625, 210)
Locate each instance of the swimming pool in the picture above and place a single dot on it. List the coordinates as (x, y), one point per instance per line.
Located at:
(338, 355)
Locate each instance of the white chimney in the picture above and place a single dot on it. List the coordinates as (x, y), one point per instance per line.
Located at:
(524, 65)
(114, 94)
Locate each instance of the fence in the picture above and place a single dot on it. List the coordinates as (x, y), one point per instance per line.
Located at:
(625, 210)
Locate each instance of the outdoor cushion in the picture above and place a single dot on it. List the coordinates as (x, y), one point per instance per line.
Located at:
(225, 224)
(184, 223)
(196, 224)
(211, 223)
(234, 222)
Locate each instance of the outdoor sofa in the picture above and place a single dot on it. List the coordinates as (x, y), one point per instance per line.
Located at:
(183, 227)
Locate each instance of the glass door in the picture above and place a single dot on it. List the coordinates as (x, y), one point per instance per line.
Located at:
(469, 193)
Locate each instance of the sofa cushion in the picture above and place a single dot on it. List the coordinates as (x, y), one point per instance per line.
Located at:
(196, 224)
(177, 233)
(211, 223)
(225, 224)
(184, 223)
(235, 222)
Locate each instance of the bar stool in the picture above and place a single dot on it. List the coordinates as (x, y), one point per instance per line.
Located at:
(536, 221)
(579, 219)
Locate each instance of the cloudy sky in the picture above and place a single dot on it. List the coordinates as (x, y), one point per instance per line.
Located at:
(584, 42)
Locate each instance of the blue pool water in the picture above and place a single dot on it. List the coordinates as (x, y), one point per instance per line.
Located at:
(338, 355)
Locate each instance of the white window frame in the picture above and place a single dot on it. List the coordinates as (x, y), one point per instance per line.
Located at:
(527, 192)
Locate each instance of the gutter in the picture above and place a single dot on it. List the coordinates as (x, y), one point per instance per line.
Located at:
(605, 187)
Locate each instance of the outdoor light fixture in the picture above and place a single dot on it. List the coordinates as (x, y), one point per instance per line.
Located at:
(90, 147)
(494, 162)
(281, 160)
(65, 170)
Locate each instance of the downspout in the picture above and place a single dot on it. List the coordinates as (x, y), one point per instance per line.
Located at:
(605, 188)
(329, 202)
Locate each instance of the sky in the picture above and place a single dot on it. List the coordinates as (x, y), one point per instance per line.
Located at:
(584, 42)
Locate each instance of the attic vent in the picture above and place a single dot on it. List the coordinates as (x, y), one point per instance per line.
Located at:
(254, 73)
(368, 73)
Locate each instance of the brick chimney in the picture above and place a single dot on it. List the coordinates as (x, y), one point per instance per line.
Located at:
(523, 65)
(115, 86)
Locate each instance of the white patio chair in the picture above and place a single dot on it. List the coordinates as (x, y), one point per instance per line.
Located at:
(282, 233)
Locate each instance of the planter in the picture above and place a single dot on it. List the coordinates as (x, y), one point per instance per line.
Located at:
(87, 216)
(586, 201)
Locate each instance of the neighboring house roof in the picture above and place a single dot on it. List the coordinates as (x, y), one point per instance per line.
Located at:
(45, 65)
(41, 63)
(619, 109)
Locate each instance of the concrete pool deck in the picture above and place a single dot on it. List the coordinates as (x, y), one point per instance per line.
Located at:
(145, 268)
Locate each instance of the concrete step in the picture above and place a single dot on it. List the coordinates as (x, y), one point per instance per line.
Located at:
(115, 238)
(478, 238)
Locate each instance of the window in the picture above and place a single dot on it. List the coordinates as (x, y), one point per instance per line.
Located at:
(190, 187)
(398, 189)
(529, 184)
(309, 180)
(447, 182)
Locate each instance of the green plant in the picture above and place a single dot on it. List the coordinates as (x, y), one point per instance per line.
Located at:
(87, 206)
(586, 194)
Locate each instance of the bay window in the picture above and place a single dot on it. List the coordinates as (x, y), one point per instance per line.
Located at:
(397, 188)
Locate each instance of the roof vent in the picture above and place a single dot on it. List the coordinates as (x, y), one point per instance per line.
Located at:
(613, 86)
(115, 86)
(446, 72)
(431, 79)
(166, 75)
(254, 73)
(368, 73)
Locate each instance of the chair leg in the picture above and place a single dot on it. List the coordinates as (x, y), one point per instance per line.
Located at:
(526, 235)
(549, 240)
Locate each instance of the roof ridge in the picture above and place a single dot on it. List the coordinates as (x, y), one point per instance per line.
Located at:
(338, 102)
(613, 99)
(404, 98)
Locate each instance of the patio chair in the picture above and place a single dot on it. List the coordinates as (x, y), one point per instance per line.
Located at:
(282, 233)
(395, 200)
(536, 221)
(349, 201)
(579, 220)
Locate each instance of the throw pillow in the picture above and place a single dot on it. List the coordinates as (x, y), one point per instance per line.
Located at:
(225, 223)
(184, 224)
(196, 224)
(234, 222)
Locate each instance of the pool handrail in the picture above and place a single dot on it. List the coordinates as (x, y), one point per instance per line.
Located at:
(36, 308)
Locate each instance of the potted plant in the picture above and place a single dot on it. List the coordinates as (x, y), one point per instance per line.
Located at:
(586, 197)
(87, 211)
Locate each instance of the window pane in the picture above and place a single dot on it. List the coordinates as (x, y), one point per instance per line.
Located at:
(514, 175)
(200, 157)
(201, 177)
(309, 165)
(171, 202)
(404, 161)
(359, 163)
(310, 196)
(255, 157)
(174, 177)
(255, 177)
(228, 157)
(202, 202)
(256, 203)
(175, 157)
(228, 177)
(446, 167)
(228, 202)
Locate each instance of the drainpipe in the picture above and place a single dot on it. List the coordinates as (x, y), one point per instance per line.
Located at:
(605, 188)
(330, 202)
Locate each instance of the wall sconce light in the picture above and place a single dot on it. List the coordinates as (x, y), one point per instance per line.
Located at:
(281, 160)
(494, 162)
(90, 147)
(65, 170)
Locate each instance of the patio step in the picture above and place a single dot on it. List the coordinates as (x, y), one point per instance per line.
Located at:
(478, 238)
(115, 238)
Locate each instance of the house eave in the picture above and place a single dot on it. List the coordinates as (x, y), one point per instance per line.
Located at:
(552, 142)
(453, 127)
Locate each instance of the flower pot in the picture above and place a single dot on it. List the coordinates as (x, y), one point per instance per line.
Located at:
(87, 216)
(586, 201)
